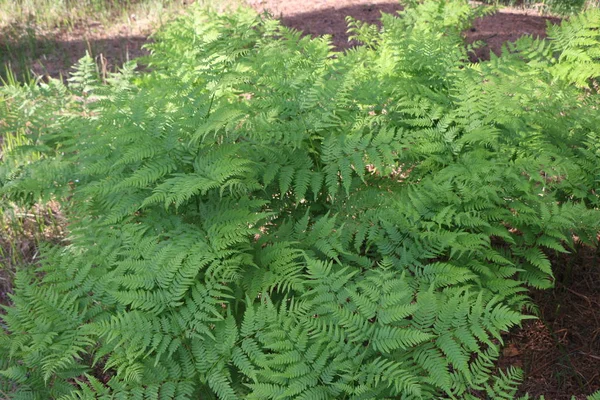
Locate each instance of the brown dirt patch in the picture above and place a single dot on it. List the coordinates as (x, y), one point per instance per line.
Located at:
(53, 53)
(560, 352)
(505, 26)
(318, 17)
(322, 17)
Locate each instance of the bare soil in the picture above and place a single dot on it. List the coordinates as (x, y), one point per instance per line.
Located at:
(505, 26)
(54, 52)
(318, 17)
(559, 352)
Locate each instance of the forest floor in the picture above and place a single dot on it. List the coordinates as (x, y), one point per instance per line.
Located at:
(26, 46)
(559, 352)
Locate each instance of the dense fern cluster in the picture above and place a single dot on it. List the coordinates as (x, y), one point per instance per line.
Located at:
(259, 217)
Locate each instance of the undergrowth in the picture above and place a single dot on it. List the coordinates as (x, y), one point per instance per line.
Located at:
(557, 7)
(259, 217)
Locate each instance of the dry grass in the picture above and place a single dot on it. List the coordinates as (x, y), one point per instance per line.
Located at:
(47, 15)
(46, 37)
(22, 231)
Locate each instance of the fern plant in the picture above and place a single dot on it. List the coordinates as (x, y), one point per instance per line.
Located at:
(261, 218)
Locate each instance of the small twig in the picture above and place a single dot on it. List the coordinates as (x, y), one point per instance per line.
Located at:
(5, 396)
(577, 294)
(590, 355)
(541, 368)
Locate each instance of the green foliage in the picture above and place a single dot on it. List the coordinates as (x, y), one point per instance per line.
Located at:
(594, 396)
(556, 7)
(261, 218)
(578, 43)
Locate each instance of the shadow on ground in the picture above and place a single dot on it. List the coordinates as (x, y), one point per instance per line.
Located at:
(332, 21)
(28, 54)
(53, 55)
(494, 30)
(560, 351)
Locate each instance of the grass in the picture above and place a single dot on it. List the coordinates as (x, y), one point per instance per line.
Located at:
(548, 7)
(48, 15)
(51, 14)
(46, 37)
(23, 232)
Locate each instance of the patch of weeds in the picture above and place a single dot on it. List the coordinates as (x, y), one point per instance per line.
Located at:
(21, 42)
(22, 232)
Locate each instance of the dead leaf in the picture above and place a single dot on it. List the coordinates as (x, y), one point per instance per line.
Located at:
(510, 351)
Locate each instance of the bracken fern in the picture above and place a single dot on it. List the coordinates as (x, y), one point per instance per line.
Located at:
(259, 217)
